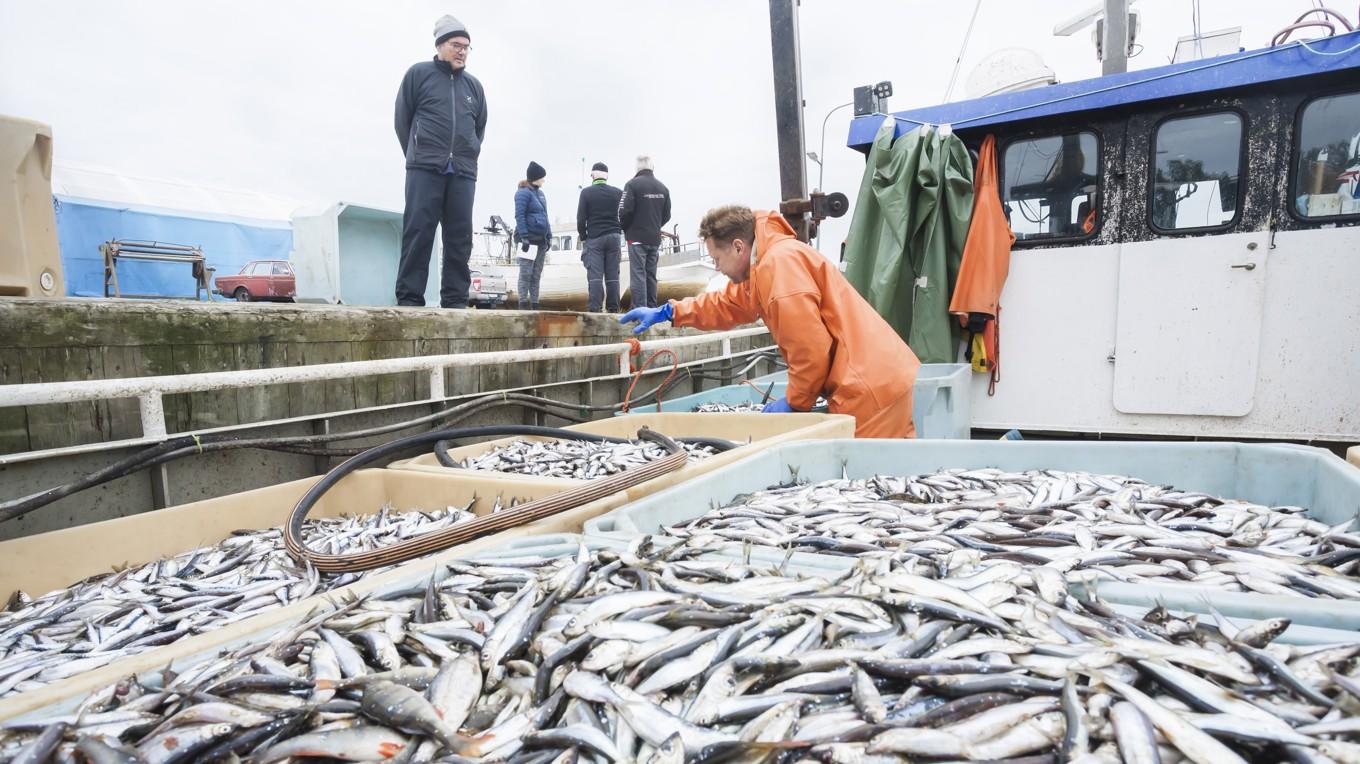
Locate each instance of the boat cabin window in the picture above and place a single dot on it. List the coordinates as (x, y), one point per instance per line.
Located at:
(1327, 177)
(1197, 169)
(1049, 186)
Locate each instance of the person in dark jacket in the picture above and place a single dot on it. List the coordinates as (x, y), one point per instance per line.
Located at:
(533, 232)
(441, 120)
(597, 223)
(643, 210)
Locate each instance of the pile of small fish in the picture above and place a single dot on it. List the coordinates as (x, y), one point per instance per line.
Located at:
(98, 620)
(578, 459)
(1083, 525)
(744, 408)
(728, 408)
(656, 654)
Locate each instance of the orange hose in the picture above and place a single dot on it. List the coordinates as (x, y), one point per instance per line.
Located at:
(637, 374)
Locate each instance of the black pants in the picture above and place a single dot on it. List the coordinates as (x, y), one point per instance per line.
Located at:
(601, 258)
(642, 262)
(433, 199)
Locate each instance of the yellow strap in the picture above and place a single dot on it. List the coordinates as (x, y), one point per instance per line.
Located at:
(980, 361)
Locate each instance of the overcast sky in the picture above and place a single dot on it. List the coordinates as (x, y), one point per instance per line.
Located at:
(296, 98)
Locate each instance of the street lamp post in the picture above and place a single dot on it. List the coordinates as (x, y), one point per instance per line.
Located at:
(822, 153)
(820, 159)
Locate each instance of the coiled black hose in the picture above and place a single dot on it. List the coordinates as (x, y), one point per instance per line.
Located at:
(463, 532)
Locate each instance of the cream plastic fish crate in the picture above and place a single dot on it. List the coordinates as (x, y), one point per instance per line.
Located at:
(755, 431)
(1272, 474)
(41, 563)
(63, 697)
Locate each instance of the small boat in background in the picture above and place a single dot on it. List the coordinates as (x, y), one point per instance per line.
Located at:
(683, 270)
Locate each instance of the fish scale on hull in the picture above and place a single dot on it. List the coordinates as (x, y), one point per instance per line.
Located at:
(657, 654)
(94, 622)
(1053, 524)
(578, 459)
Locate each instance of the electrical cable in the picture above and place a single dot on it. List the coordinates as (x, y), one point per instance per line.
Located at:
(191, 445)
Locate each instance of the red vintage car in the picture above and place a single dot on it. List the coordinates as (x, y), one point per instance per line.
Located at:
(259, 280)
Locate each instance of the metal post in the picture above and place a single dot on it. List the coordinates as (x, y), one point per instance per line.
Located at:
(437, 384)
(821, 166)
(1114, 45)
(160, 486)
(153, 414)
(788, 108)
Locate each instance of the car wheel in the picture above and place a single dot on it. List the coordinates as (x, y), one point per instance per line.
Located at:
(241, 294)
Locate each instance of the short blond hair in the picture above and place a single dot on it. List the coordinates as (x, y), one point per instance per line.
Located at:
(733, 221)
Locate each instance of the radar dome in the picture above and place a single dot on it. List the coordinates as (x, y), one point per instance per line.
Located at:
(1007, 71)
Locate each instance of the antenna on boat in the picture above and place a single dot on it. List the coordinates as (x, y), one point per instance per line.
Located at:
(1122, 24)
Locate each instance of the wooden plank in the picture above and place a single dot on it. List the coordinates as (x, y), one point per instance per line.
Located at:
(333, 394)
(463, 380)
(120, 362)
(266, 402)
(494, 376)
(387, 388)
(211, 408)
(429, 346)
(63, 424)
(13, 419)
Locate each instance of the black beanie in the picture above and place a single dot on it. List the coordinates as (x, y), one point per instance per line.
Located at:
(535, 172)
(599, 167)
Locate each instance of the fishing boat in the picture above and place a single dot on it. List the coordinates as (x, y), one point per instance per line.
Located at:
(1185, 256)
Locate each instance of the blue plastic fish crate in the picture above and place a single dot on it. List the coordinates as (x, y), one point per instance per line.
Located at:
(730, 394)
(1272, 474)
(940, 403)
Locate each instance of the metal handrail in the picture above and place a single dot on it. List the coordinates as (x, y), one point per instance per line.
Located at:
(149, 390)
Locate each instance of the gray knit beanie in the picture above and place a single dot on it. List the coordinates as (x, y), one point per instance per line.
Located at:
(448, 26)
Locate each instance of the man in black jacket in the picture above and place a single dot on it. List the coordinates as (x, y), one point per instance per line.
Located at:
(644, 208)
(597, 223)
(441, 119)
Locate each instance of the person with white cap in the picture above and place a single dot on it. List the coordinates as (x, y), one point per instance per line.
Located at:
(597, 222)
(440, 122)
(644, 208)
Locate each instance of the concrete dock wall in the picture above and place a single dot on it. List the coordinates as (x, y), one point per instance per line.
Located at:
(49, 341)
(75, 339)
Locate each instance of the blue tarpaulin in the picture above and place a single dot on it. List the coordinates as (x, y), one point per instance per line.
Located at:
(228, 244)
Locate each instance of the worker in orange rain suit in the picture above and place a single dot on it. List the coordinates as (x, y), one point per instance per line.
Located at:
(834, 342)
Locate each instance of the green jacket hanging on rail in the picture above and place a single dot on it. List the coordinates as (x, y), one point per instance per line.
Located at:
(907, 235)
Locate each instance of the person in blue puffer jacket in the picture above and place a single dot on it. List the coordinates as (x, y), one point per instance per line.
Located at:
(532, 232)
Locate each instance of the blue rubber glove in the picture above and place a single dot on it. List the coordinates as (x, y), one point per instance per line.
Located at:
(646, 318)
(780, 406)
